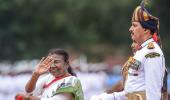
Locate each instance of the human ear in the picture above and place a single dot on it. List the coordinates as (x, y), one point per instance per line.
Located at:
(146, 31)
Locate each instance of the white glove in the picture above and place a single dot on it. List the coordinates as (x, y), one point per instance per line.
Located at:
(94, 97)
(103, 96)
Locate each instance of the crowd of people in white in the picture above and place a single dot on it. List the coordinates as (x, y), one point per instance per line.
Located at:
(94, 79)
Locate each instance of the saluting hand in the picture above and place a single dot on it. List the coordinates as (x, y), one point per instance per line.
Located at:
(44, 65)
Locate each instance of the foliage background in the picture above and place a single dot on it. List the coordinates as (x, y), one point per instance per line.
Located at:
(97, 28)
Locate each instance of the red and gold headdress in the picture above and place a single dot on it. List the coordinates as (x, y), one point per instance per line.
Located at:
(146, 19)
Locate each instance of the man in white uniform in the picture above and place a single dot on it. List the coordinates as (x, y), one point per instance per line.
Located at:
(146, 78)
(59, 84)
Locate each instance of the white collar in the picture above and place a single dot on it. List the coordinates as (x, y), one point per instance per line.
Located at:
(146, 42)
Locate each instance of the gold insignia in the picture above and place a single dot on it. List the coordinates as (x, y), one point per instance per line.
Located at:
(133, 63)
(152, 55)
(150, 46)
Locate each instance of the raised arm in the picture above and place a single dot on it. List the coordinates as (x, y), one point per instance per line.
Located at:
(41, 68)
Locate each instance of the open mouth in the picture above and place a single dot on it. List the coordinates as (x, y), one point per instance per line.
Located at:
(132, 33)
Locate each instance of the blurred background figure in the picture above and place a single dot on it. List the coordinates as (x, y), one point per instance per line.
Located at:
(94, 33)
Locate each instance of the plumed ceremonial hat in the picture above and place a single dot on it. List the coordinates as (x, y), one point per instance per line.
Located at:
(146, 19)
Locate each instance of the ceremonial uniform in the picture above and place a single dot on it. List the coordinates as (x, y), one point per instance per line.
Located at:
(48, 87)
(146, 71)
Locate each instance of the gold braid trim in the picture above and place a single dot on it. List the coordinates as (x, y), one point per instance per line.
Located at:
(152, 55)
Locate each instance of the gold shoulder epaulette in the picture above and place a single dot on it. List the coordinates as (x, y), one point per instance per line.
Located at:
(152, 55)
(151, 45)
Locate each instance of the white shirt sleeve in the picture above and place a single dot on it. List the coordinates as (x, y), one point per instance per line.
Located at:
(39, 85)
(119, 95)
(153, 68)
(103, 96)
(112, 96)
